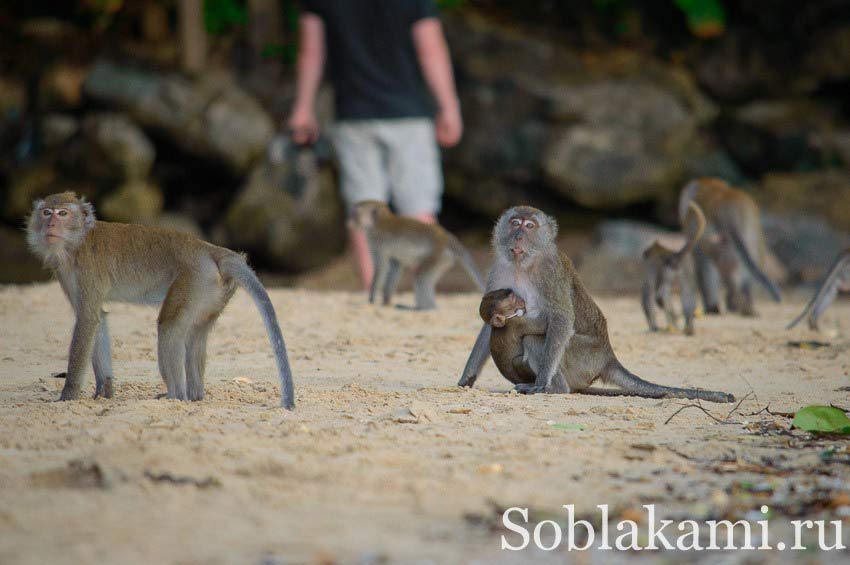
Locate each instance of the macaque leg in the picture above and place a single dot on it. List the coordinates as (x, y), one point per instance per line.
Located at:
(821, 306)
(689, 303)
(647, 300)
(173, 327)
(102, 360)
(708, 279)
(196, 359)
(393, 276)
(528, 365)
(380, 277)
(425, 283)
(669, 311)
(746, 298)
(82, 343)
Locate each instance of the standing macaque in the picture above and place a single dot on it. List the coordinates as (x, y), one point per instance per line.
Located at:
(664, 267)
(732, 248)
(97, 262)
(837, 279)
(396, 242)
(576, 344)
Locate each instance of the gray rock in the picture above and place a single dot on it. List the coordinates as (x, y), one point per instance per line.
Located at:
(133, 201)
(122, 143)
(818, 193)
(807, 245)
(56, 129)
(288, 214)
(209, 116)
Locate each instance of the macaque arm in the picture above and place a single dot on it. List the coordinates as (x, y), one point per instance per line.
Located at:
(477, 358)
(80, 352)
(558, 335)
(102, 360)
(523, 325)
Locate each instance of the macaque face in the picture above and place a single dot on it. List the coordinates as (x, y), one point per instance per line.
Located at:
(522, 233)
(58, 222)
(503, 305)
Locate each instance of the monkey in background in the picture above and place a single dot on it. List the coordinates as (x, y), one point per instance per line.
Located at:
(99, 261)
(397, 242)
(663, 267)
(732, 247)
(576, 343)
(837, 278)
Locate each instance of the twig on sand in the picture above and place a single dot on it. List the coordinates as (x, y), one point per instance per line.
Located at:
(699, 406)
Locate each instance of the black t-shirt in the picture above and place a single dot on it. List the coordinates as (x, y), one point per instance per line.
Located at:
(371, 57)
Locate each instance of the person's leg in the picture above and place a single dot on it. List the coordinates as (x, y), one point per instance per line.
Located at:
(415, 173)
(362, 177)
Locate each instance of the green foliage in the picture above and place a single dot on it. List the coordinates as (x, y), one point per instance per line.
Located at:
(824, 419)
(222, 15)
(706, 18)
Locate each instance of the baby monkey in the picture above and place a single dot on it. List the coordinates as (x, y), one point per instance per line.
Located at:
(396, 242)
(663, 267)
(837, 279)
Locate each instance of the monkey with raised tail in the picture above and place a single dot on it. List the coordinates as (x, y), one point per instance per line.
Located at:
(396, 242)
(97, 262)
(732, 248)
(527, 261)
(837, 279)
(663, 268)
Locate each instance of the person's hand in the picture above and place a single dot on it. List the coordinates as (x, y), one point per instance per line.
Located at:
(304, 126)
(449, 125)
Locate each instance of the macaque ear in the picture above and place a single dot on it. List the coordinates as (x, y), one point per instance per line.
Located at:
(497, 321)
(38, 205)
(87, 209)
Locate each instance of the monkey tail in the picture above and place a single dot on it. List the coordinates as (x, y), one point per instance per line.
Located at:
(825, 287)
(694, 231)
(751, 265)
(618, 375)
(466, 260)
(236, 267)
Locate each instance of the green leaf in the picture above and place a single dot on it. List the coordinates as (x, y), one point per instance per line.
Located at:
(576, 427)
(824, 419)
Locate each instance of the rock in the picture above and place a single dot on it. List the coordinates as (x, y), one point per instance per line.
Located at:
(629, 143)
(13, 96)
(26, 185)
(134, 201)
(288, 214)
(735, 69)
(122, 143)
(777, 135)
(209, 116)
(17, 263)
(604, 130)
(614, 264)
(829, 58)
(56, 129)
(807, 245)
(61, 86)
(817, 193)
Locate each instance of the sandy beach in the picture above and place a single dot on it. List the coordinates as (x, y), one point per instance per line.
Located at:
(384, 458)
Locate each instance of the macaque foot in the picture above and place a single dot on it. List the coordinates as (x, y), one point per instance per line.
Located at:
(61, 375)
(105, 389)
(69, 392)
(712, 310)
(524, 388)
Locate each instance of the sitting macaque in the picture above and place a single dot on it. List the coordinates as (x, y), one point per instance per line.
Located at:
(497, 308)
(663, 267)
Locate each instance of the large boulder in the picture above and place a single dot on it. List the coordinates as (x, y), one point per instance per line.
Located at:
(287, 215)
(818, 193)
(209, 116)
(134, 201)
(122, 143)
(805, 244)
(604, 130)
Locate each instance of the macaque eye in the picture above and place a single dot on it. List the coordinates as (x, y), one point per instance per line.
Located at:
(529, 224)
(46, 212)
(516, 222)
(62, 213)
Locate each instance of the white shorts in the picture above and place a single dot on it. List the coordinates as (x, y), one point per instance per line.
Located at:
(391, 160)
